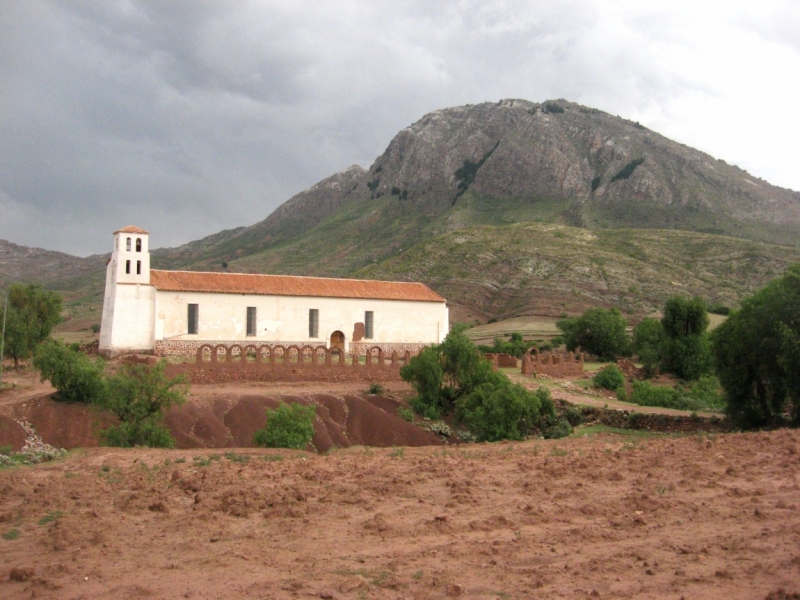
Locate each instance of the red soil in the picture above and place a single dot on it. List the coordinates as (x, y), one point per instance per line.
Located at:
(695, 517)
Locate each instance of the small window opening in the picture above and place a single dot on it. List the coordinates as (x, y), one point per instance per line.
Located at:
(313, 322)
(127, 267)
(194, 310)
(368, 321)
(251, 320)
(128, 244)
(138, 267)
(138, 244)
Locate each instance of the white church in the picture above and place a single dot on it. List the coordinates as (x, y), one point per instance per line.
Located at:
(175, 312)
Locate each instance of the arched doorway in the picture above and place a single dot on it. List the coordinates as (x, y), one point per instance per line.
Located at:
(337, 340)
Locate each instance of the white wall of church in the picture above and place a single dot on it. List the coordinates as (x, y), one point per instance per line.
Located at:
(128, 320)
(282, 319)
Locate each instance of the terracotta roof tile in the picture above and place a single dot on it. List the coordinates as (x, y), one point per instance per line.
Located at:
(289, 285)
(132, 229)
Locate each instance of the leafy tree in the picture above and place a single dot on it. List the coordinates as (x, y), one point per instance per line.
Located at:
(598, 331)
(76, 377)
(648, 343)
(757, 354)
(288, 426)
(32, 313)
(686, 350)
(140, 395)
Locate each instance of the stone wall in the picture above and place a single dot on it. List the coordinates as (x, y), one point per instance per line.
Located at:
(552, 364)
(190, 347)
(223, 363)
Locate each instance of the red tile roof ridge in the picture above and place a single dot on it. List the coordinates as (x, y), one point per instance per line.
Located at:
(132, 229)
(291, 285)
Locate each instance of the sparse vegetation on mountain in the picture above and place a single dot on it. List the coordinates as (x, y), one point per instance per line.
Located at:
(757, 355)
(627, 170)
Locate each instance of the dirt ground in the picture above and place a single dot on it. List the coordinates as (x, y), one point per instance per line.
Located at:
(600, 516)
(604, 515)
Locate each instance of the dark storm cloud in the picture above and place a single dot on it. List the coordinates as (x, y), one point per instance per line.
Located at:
(189, 117)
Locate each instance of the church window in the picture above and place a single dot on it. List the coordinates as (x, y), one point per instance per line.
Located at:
(128, 244)
(194, 313)
(127, 267)
(138, 267)
(368, 324)
(138, 244)
(313, 322)
(251, 320)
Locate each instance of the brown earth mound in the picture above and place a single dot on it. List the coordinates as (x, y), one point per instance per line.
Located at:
(713, 517)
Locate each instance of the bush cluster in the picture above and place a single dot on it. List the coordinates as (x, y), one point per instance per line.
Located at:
(598, 331)
(138, 395)
(515, 346)
(453, 378)
(704, 394)
(609, 378)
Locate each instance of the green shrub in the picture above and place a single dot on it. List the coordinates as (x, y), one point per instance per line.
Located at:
(646, 394)
(95, 327)
(609, 378)
(76, 377)
(596, 182)
(719, 309)
(706, 391)
(503, 412)
(140, 395)
(406, 414)
(559, 429)
(375, 388)
(148, 432)
(573, 415)
(288, 426)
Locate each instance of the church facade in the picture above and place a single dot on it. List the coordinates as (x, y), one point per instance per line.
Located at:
(175, 312)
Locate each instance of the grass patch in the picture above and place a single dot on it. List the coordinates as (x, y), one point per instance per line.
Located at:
(50, 517)
(11, 534)
(600, 429)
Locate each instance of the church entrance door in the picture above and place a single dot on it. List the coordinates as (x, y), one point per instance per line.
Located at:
(337, 340)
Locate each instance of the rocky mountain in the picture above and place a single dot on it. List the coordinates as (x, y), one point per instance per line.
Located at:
(500, 163)
(21, 263)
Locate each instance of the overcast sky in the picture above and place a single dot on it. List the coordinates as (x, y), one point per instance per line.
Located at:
(188, 117)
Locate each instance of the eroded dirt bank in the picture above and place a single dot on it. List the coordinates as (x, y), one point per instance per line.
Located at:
(227, 416)
(696, 516)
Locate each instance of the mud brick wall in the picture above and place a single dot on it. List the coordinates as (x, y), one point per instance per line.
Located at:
(552, 364)
(502, 360)
(223, 363)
